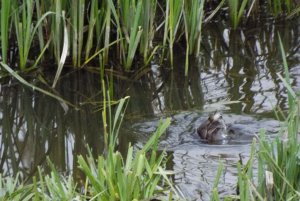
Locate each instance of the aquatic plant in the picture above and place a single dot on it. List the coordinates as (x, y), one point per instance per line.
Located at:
(135, 177)
(96, 25)
(90, 26)
(173, 16)
(25, 29)
(236, 11)
(193, 17)
(130, 13)
(146, 48)
(4, 28)
(77, 18)
(23, 26)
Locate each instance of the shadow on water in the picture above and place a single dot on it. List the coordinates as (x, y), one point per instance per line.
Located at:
(235, 75)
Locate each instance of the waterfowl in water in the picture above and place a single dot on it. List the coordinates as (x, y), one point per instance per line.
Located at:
(213, 129)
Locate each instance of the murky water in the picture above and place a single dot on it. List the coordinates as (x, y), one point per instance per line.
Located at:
(236, 75)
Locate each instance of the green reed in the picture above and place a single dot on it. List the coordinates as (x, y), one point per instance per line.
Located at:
(193, 17)
(236, 11)
(132, 178)
(40, 28)
(23, 25)
(130, 13)
(94, 25)
(77, 21)
(148, 26)
(173, 16)
(99, 29)
(25, 29)
(4, 28)
(64, 52)
(56, 30)
(107, 30)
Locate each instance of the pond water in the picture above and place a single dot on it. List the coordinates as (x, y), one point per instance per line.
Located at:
(237, 75)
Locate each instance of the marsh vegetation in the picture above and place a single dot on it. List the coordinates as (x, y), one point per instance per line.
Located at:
(175, 58)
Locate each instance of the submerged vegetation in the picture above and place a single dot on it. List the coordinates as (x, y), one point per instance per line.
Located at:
(120, 31)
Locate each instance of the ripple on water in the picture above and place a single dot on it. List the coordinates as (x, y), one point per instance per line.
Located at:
(195, 161)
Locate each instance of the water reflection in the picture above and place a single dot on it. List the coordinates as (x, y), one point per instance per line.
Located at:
(248, 61)
(34, 126)
(235, 66)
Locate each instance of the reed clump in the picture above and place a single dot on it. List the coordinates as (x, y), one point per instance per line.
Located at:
(122, 31)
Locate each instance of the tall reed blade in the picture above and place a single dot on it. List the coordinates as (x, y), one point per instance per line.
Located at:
(4, 28)
(236, 11)
(64, 52)
(25, 29)
(94, 12)
(56, 29)
(23, 26)
(130, 12)
(193, 19)
(106, 26)
(40, 28)
(77, 19)
(173, 15)
(147, 22)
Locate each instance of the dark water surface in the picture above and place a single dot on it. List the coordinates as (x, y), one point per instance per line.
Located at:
(237, 75)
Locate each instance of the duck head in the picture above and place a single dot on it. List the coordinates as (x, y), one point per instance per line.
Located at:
(213, 128)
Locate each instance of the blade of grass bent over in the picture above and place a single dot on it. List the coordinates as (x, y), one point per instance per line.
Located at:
(20, 79)
(63, 54)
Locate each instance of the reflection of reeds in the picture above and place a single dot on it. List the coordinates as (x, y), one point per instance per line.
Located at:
(22, 132)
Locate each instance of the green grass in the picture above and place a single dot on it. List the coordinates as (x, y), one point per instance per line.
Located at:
(5, 11)
(173, 17)
(236, 11)
(193, 18)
